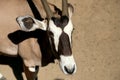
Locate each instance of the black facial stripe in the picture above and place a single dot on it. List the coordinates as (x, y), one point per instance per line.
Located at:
(28, 22)
(64, 46)
(60, 22)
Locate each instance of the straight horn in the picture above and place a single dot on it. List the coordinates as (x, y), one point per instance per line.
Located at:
(64, 7)
(47, 9)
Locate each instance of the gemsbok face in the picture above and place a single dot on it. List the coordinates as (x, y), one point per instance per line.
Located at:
(60, 29)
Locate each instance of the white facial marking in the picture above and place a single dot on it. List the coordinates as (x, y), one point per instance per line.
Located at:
(56, 31)
(1, 75)
(68, 29)
(32, 69)
(68, 62)
(42, 24)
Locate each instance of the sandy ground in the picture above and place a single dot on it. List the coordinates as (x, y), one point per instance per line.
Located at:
(96, 43)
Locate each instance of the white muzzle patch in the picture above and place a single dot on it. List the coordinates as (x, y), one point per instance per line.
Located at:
(68, 64)
(32, 69)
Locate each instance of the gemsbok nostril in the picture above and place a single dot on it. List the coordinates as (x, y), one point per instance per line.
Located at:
(69, 71)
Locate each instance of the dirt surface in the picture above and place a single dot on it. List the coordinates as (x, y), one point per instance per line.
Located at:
(96, 43)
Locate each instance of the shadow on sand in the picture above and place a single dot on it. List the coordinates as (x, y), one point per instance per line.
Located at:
(15, 63)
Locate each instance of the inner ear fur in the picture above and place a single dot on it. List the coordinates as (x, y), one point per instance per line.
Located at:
(70, 10)
(28, 23)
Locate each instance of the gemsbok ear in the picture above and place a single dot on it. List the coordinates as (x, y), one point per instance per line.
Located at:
(28, 23)
(70, 10)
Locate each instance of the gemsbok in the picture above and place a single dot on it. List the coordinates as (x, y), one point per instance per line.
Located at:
(21, 33)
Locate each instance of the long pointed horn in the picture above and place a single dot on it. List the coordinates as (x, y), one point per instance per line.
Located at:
(47, 9)
(64, 7)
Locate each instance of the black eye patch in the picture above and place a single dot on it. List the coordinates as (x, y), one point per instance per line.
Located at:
(60, 22)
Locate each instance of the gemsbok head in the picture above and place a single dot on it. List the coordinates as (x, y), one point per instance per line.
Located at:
(59, 31)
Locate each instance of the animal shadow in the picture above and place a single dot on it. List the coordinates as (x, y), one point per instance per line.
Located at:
(15, 63)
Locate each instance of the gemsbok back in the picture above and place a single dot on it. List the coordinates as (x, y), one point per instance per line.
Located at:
(37, 40)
